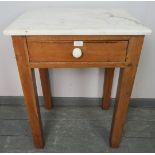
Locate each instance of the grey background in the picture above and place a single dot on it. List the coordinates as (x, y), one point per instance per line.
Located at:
(78, 82)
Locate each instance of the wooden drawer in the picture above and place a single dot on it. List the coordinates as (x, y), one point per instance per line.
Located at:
(92, 51)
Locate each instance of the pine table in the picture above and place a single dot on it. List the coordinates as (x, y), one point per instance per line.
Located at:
(64, 37)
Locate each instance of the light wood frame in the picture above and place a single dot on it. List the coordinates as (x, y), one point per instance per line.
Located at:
(128, 70)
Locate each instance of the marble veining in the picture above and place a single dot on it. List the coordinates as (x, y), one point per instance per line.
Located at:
(69, 21)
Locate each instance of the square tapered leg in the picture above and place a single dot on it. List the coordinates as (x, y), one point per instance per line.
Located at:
(45, 83)
(124, 90)
(108, 80)
(29, 89)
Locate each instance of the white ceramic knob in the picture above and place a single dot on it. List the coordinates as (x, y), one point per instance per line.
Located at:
(77, 53)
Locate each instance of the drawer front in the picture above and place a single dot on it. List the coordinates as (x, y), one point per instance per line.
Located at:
(61, 51)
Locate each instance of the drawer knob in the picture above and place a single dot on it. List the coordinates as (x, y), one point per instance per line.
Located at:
(77, 53)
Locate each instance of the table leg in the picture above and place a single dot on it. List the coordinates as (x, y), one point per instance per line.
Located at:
(29, 89)
(108, 80)
(125, 84)
(45, 83)
(122, 100)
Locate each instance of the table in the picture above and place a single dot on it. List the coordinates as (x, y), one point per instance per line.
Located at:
(64, 37)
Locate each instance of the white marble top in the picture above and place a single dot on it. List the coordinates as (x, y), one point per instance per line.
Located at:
(69, 21)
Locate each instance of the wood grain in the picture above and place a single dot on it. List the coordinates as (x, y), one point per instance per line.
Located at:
(45, 83)
(105, 51)
(78, 64)
(126, 81)
(29, 89)
(98, 51)
(108, 80)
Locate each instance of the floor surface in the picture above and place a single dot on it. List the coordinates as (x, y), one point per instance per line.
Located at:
(76, 129)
